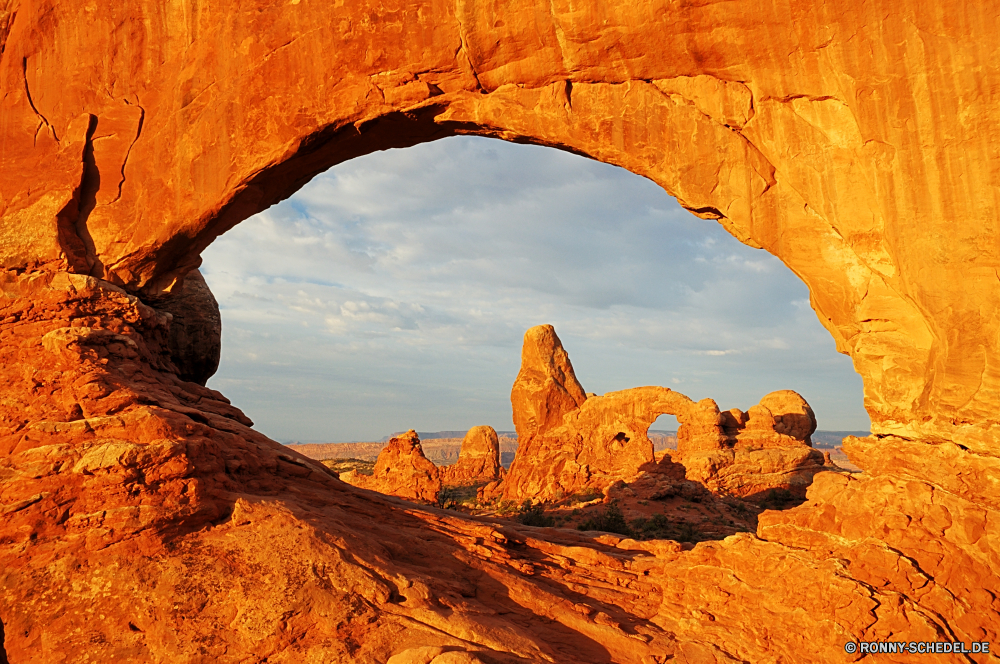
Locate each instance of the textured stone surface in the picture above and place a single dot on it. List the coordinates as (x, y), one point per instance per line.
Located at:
(144, 521)
(546, 388)
(478, 460)
(401, 470)
(857, 144)
(196, 328)
(753, 453)
(564, 449)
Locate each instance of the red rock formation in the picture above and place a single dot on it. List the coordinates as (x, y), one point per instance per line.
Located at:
(564, 449)
(778, 130)
(143, 519)
(753, 453)
(478, 461)
(195, 330)
(401, 470)
(546, 388)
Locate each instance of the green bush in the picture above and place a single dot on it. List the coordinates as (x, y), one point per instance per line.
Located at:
(534, 515)
(660, 527)
(448, 499)
(585, 496)
(506, 508)
(611, 520)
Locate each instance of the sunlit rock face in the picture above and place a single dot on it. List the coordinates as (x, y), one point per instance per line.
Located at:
(401, 470)
(145, 521)
(478, 459)
(569, 442)
(848, 143)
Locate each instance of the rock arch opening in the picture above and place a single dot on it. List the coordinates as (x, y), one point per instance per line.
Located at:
(851, 144)
(474, 241)
(477, 223)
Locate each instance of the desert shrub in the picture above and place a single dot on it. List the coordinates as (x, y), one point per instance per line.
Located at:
(686, 532)
(506, 507)
(659, 522)
(660, 527)
(448, 498)
(611, 520)
(779, 499)
(740, 507)
(534, 515)
(585, 496)
(655, 527)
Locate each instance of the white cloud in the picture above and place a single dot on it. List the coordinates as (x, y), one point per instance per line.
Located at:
(393, 292)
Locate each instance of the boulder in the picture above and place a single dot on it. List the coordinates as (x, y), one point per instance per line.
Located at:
(195, 327)
(478, 460)
(401, 470)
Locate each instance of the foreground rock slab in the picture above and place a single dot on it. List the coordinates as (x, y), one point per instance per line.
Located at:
(144, 520)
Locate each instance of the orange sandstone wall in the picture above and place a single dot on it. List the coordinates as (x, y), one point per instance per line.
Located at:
(856, 142)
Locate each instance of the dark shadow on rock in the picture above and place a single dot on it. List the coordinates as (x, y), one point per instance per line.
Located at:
(3, 650)
(196, 328)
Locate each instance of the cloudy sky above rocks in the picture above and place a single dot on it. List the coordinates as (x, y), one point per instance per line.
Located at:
(393, 291)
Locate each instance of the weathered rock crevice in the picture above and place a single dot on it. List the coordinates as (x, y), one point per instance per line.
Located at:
(43, 121)
(128, 153)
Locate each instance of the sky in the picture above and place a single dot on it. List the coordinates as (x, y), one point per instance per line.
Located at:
(393, 292)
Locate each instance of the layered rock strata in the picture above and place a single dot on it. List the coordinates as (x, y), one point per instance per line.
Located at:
(570, 442)
(401, 470)
(478, 460)
(145, 521)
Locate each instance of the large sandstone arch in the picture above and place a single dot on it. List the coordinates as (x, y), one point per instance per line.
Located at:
(815, 134)
(858, 144)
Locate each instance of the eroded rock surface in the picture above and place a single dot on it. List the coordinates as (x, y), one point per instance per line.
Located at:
(143, 520)
(818, 136)
(196, 328)
(401, 470)
(567, 444)
(751, 454)
(478, 461)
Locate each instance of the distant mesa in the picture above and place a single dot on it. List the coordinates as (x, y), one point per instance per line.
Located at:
(441, 447)
(442, 435)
